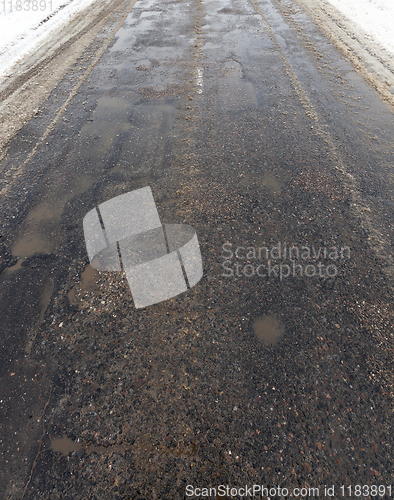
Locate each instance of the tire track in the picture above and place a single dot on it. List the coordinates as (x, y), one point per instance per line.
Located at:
(123, 10)
(361, 209)
(368, 59)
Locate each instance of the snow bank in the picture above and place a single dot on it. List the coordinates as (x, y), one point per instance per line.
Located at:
(375, 17)
(26, 25)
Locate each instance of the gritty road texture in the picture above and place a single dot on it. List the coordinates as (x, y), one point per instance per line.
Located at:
(254, 130)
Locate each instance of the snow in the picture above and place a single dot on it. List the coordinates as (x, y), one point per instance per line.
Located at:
(23, 30)
(374, 17)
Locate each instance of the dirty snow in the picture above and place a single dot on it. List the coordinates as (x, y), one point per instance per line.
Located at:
(24, 29)
(374, 17)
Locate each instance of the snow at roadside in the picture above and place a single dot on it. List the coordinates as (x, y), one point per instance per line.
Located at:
(375, 18)
(23, 29)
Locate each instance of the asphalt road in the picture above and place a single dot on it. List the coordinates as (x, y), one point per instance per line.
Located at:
(250, 126)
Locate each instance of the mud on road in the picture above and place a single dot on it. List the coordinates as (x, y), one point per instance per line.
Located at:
(253, 136)
(84, 40)
(372, 61)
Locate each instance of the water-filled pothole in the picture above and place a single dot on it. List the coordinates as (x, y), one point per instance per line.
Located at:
(268, 329)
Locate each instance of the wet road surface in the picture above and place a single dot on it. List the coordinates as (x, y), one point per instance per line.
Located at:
(248, 125)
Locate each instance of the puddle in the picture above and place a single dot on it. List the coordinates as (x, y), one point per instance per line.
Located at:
(46, 211)
(268, 329)
(88, 277)
(144, 65)
(273, 183)
(45, 299)
(235, 92)
(52, 209)
(29, 245)
(230, 10)
(150, 13)
(233, 70)
(40, 220)
(64, 445)
(168, 201)
(15, 267)
(212, 46)
(109, 119)
(71, 296)
(125, 40)
(127, 35)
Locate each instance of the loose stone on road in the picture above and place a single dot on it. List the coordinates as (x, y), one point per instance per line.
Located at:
(249, 125)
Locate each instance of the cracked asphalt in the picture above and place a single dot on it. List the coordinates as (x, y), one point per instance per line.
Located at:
(249, 125)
